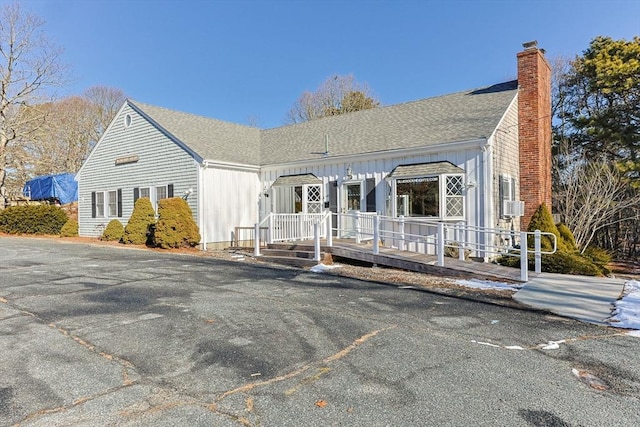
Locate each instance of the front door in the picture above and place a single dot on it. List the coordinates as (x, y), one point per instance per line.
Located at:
(351, 204)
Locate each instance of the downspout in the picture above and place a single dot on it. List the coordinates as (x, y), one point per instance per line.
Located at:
(487, 188)
(201, 204)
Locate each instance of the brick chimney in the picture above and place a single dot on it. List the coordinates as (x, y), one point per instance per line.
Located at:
(534, 129)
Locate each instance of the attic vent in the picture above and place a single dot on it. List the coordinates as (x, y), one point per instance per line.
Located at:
(127, 120)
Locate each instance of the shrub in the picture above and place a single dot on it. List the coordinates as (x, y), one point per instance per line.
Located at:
(138, 229)
(113, 232)
(69, 229)
(32, 219)
(559, 262)
(599, 257)
(543, 221)
(567, 259)
(176, 227)
(567, 237)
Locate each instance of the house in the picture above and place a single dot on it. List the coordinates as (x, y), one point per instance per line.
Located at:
(465, 157)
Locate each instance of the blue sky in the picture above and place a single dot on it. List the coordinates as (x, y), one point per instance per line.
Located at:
(249, 60)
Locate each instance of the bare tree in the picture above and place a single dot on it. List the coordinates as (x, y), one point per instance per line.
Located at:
(336, 95)
(29, 66)
(106, 101)
(592, 195)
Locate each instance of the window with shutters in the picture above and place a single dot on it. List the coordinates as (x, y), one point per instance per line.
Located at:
(154, 194)
(113, 203)
(99, 204)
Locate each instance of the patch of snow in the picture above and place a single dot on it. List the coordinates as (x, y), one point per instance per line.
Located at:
(485, 343)
(488, 284)
(626, 313)
(514, 347)
(551, 345)
(321, 268)
(634, 333)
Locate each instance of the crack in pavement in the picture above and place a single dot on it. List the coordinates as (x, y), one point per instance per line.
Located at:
(336, 356)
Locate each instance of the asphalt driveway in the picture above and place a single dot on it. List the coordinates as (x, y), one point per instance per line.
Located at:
(110, 336)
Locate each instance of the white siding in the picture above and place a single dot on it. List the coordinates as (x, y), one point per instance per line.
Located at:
(469, 159)
(160, 162)
(231, 200)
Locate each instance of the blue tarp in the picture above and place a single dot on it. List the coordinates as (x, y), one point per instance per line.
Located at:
(62, 187)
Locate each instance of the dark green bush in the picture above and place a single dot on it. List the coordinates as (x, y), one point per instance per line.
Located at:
(599, 257)
(138, 229)
(113, 232)
(32, 219)
(543, 221)
(176, 227)
(567, 237)
(567, 259)
(560, 262)
(69, 229)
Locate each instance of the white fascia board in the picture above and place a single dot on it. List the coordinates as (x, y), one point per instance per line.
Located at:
(229, 165)
(502, 119)
(124, 104)
(168, 134)
(378, 155)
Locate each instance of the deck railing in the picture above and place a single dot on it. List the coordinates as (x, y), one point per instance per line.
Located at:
(424, 236)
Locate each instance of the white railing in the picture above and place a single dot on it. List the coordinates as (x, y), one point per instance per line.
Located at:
(412, 235)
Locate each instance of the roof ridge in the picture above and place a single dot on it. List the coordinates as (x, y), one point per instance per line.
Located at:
(142, 106)
(415, 101)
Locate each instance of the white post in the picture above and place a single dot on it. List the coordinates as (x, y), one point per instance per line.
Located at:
(538, 249)
(270, 231)
(357, 223)
(329, 230)
(461, 241)
(401, 231)
(376, 234)
(301, 219)
(440, 248)
(256, 239)
(316, 241)
(524, 262)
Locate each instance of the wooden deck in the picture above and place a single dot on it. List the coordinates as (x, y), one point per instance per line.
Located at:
(411, 261)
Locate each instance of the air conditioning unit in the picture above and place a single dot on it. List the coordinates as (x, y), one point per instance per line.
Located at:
(513, 208)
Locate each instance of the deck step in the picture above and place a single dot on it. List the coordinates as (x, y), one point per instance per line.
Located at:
(288, 253)
(289, 260)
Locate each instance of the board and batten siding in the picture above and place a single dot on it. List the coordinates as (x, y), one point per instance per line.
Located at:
(160, 162)
(469, 159)
(231, 200)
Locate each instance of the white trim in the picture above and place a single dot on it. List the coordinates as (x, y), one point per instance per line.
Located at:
(229, 165)
(86, 161)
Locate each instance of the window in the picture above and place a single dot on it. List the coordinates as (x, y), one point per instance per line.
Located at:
(507, 191)
(105, 204)
(113, 203)
(454, 199)
(153, 193)
(127, 120)
(161, 192)
(419, 196)
(441, 195)
(98, 204)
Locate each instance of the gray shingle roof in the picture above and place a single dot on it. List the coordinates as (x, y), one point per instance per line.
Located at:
(211, 139)
(459, 116)
(301, 179)
(455, 117)
(425, 169)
